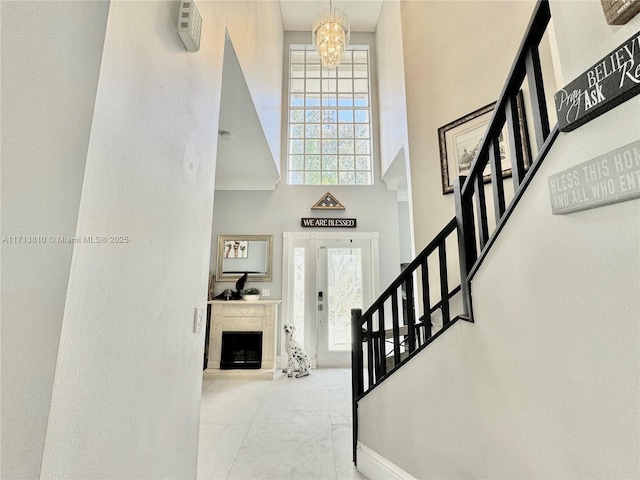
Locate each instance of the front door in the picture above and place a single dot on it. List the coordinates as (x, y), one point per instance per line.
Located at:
(344, 282)
(325, 275)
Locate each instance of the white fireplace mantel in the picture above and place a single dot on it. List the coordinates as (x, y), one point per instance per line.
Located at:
(243, 316)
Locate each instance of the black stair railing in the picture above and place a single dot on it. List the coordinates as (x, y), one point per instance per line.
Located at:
(508, 120)
(389, 332)
(390, 329)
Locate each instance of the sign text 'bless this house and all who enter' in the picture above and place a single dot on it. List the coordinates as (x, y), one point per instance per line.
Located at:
(609, 178)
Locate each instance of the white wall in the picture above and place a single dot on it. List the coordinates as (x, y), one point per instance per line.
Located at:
(391, 84)
(116, 317)
(274, 212)
(255, 28)
(456, 58)
(571, 322)
(580, 48)
(417, 419)
(50, 65)
(393, 115)
(404, 222)
(546, 383)
(126, 394)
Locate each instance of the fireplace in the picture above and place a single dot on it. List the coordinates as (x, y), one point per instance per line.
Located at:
(260, 316)
(241, 350)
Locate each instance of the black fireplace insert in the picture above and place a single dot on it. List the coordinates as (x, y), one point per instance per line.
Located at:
(241, 350)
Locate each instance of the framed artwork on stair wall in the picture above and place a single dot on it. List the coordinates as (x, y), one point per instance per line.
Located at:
(459, 142)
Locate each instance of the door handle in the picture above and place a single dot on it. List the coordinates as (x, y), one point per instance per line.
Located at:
(320, 307)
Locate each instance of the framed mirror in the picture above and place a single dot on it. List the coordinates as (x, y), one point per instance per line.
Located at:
(244, 253)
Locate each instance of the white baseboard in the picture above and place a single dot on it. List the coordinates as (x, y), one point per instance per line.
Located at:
(375, 467)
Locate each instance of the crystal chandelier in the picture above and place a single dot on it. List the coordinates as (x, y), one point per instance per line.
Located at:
(331, 35)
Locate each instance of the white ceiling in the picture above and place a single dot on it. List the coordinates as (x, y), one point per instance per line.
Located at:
(297, 15)
(244, 160)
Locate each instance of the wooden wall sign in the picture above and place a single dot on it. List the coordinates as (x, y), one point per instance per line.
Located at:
(610, 178)
(328, 222)
(619, 12)
(611, 81)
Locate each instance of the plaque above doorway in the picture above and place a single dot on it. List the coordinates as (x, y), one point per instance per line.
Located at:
(328, 202)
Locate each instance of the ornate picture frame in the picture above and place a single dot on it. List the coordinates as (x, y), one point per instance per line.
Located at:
(233, 263)
(460, 139)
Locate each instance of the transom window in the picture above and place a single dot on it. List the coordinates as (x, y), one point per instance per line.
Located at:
(329, 120)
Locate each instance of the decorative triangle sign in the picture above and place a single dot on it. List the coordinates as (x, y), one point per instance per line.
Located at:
(328, 202)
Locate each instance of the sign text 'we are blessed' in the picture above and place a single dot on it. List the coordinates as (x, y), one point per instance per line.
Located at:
(328, 222)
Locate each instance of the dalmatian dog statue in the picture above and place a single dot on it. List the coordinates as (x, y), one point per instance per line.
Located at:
(296, 354)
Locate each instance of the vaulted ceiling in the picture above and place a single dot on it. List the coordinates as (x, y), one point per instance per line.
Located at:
(297, 15)
(244, 160)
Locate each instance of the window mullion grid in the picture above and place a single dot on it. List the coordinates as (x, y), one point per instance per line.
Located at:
(291, 94)
(336, 139)
(306, 108)
(353, 121)
(339, 122)
(370, 123)
(304, 121)
(322, 108)
(324, 105)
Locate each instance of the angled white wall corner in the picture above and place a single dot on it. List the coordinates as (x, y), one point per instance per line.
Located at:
(244, 159)
(256, 31)
(397, 178)
(391, 85)
(127, 386)
(394, 135)
(51, 55)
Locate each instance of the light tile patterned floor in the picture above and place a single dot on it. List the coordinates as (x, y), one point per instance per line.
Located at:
(298, 429)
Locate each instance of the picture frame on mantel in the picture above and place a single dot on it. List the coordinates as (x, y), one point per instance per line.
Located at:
(459, 141)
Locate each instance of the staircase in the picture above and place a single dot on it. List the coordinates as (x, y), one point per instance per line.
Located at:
(391, 332)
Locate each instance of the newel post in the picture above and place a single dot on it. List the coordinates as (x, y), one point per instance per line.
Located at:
(356, 352)
(357, 375)
(466, 240)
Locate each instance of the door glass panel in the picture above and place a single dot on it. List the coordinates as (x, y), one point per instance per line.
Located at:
(298, 293)
(344, 283)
